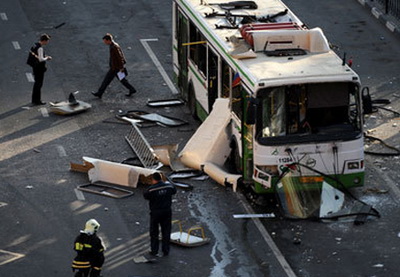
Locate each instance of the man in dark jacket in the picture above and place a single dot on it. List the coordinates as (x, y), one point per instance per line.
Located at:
(117, 68)
(39, 59)
(159, 195)
(90, 251)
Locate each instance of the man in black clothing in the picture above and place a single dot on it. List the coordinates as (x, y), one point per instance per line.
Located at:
(159, 195)
(90, 251)
(117, 68)
(39, 67)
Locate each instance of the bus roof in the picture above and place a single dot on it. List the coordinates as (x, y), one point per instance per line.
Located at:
(283, 50)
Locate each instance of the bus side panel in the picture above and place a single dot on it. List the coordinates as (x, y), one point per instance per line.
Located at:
(247, 141)
(199, 87)
(180, 52)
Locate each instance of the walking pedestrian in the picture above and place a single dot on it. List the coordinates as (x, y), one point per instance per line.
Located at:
(37, 59)
(117, 68)
(159, 195)
(90, 251)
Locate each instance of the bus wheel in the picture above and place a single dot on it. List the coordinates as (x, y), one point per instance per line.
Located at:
(192, 103)
(235, 159)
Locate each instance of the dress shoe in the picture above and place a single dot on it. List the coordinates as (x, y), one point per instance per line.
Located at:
(130, 93)
(40, 103)
(154, 254)
(97, 94)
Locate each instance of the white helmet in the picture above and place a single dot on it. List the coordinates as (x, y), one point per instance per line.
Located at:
(91, 226)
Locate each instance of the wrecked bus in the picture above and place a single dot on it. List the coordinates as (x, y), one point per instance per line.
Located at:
(294, 104)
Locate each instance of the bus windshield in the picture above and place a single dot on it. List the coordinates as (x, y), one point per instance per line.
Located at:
(320, 111)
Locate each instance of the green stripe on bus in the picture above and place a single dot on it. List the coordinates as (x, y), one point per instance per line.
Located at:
(201, 80)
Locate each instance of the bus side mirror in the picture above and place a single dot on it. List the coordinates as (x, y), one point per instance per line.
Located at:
(367, 101)
(251, 111)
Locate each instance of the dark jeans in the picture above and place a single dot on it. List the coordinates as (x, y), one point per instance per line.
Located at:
(38, 73)
(162, 219)
(111, 74)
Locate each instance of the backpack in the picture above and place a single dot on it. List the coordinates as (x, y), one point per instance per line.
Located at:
(32, 59)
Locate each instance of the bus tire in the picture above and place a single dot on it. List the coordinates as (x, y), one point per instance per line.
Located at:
(235, 159)
(192, 102)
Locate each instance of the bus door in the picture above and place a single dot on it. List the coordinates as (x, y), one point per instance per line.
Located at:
(182, 54)
(212, 78)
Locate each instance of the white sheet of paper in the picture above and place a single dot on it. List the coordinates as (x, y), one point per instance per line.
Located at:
(121, 75)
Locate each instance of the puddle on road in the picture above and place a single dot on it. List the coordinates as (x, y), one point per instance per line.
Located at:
(223, 251)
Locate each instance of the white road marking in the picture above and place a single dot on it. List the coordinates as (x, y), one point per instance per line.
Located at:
(8, 257)
(3, 16)
(44, 112)
(30, 78)
(79, 195)
(264, 233)
(158, 64)
(376, 12)
(2, 204)
(61, 151)
(16, 45)
(390, 26)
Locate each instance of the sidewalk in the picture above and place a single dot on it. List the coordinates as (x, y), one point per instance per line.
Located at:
(391, 22)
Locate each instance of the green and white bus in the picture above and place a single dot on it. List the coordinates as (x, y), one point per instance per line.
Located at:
(293, 101)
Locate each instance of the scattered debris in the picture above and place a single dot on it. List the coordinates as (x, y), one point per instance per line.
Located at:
(332, 200)
(185, 174)
(207, 152)
(162, 120)
(376, 190)
(84, 168)
(187, 239)
(362, 215)
(296, 240)
(180, 184)
(167, 155)
(114, 173)
(106, 190)
(59, 25)
(324, 202)
(142, 148)
(270, 215)
(72, 106)
(163, 103)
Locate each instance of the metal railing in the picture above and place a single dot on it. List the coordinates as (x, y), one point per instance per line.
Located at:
(141, 147)
(391, 7)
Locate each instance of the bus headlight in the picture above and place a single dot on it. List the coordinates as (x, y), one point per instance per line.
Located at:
(353, 165)
(269, 169)
(263, 174)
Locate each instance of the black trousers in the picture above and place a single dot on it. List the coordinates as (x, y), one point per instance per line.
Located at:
(38, 74)
(111, 74)
(162, 219)
(87, 272)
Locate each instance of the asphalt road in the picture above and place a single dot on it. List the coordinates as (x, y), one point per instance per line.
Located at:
(41, 212)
